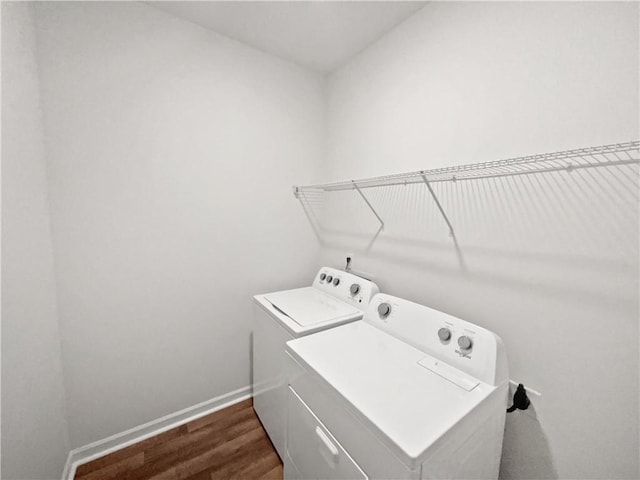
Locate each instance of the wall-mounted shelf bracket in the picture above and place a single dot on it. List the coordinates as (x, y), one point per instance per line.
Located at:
(435, 199)
(368, 204)
(296, 191)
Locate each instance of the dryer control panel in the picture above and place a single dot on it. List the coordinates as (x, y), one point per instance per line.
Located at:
(463, 345)
(345, 286)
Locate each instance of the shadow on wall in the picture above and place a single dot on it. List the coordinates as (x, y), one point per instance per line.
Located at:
(530, 461)
(583, 219)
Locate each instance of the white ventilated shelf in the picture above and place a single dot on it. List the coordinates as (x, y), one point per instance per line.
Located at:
(604, 156)
(593, 157)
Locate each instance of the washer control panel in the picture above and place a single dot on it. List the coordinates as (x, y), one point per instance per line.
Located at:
(463, 345)
(346, 286)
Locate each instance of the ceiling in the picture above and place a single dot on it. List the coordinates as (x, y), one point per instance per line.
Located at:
(321, 35)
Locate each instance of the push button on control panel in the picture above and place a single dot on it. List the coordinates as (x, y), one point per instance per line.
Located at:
(336, 282)
(329, 278)
(323, 276)
(355, 288)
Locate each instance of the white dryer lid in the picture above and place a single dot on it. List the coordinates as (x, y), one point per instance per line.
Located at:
(391, 386)
(309, 306)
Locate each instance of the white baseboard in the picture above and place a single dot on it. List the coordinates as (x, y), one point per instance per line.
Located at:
(120, 440)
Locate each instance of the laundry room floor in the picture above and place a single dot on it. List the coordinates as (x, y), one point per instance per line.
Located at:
(229, 443)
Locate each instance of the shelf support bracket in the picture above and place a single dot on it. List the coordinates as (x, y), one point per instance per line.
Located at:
(368, 204)
(435, 198)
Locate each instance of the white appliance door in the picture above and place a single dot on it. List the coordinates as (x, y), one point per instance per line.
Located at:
(309, 306)
(312, 452)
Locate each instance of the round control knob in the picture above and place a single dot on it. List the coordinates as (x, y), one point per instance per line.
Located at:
(323, 276)
(444, 334)
(355, 288)
(465, 343)
(336, 282)
(329, 278)
(384, 309)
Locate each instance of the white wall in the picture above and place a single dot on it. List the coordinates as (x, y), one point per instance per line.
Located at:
(172, 152)
(35, 439)
(549, 262)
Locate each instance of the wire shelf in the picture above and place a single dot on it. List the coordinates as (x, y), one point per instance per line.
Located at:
(568, 160)
(614, 155)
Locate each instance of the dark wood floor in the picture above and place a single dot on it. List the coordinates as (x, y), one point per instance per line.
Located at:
(227, 444)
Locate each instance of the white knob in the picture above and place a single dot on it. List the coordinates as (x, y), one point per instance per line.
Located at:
(444, 334)
(465, 343)
(384, 309)
(355, 288)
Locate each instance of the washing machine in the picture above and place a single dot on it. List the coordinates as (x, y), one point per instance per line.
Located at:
(335, 297)
(407, 392)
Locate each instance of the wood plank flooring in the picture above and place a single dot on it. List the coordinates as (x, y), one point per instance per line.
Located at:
(227, 444)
